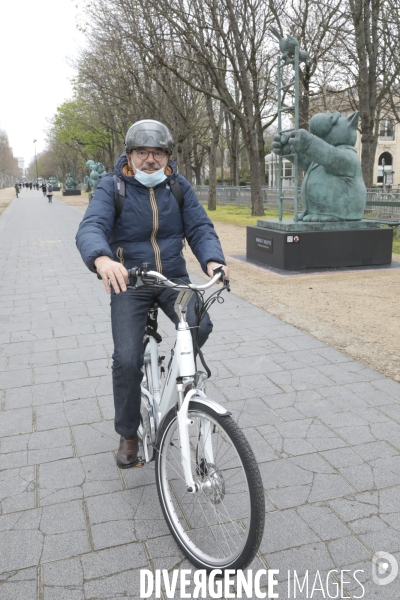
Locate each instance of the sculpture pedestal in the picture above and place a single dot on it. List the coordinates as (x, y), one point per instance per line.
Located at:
(293, 246)
(72, 193)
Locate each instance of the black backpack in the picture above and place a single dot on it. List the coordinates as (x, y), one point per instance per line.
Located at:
(120, 194)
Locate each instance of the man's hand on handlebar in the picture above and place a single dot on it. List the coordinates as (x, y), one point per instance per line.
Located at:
(115, 275)
(211, 266)
(112, 272)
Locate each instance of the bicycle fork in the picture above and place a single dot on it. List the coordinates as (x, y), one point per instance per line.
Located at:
(187, 370)
(205, 427)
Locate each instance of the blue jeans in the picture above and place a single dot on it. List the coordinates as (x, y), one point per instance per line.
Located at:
(128, 321)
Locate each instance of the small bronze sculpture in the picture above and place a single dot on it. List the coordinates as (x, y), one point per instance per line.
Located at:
(287, 46)
(96, 169)
(70, 183)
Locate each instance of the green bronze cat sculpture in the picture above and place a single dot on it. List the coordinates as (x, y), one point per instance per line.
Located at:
(333, 188)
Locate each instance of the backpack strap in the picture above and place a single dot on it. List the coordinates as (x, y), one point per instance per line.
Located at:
(119, 195)
(176, 189)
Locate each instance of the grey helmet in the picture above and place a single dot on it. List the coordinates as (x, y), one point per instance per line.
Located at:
(149, 133)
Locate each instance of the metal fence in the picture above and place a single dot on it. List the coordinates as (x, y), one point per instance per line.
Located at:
(381, 204)
(241, 196)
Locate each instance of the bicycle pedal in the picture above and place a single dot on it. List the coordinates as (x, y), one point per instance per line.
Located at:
(140, 462)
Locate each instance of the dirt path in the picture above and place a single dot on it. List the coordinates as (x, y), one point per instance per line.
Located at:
(80, 202)
(356, 312)
(6, 195)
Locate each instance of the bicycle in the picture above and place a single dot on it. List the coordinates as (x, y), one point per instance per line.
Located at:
(207, 477)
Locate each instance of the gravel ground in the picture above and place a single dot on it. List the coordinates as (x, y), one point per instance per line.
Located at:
(6, 195)
(355, 311)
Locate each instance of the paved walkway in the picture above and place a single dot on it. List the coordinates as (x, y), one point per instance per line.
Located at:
(325, 430)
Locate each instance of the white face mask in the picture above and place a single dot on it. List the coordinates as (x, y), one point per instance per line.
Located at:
(151, 179)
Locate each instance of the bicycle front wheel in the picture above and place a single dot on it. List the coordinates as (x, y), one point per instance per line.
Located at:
(221, 525)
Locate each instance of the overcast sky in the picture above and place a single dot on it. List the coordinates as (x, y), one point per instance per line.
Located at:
(36, 37)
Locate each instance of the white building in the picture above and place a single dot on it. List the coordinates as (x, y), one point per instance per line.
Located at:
(21, 164)
(272, 170)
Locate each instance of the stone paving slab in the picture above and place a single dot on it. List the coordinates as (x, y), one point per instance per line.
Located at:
(325, 430)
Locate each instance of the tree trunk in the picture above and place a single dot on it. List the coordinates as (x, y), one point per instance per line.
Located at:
(257, 208)
(212, 153)
(188, 169)
(212, 170)
(197, 173)
(365, 17)
(304, 104)
(212, 183)
(179, 157)
(369, 141)
(186, 158)
(197, 165)
(222, 165)
(237, 157)
(234, 152)
(260, 148)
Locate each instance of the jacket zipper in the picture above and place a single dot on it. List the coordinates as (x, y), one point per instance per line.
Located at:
(153, 237)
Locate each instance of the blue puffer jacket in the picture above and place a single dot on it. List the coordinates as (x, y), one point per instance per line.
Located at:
(151, 227)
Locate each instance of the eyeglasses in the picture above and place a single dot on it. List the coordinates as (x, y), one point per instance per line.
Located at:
(158, 155)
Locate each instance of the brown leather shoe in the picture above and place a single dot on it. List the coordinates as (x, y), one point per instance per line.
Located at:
(127, 455)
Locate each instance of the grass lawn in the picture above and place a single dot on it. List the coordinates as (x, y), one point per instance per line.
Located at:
(240, 215)
(396, 246)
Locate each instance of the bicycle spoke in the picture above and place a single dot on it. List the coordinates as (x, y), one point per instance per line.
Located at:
(218, 512)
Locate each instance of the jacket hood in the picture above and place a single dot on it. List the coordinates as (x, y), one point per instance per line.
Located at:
(122, 170)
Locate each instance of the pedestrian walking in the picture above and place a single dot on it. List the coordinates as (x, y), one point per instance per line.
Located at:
(44, 188)
(49, 192)
(16, 189)
(30, 185)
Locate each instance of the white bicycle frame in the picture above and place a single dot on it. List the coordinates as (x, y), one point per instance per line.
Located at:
(181, 373)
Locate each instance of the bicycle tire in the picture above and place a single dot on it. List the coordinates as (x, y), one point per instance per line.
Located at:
(245, 529)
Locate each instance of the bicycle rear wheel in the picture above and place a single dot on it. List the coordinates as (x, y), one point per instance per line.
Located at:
(221, 525)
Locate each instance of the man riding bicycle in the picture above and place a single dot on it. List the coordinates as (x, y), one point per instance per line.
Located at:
(150, 229)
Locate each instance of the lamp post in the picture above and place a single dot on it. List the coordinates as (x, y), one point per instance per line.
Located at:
(37, 174)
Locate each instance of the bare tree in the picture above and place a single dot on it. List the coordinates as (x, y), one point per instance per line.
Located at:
(8, 163)
(128, 85)
(227, 40)
(316, 25)
(372, 66)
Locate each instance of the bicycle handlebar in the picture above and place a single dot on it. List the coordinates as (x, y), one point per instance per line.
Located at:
(143, 272)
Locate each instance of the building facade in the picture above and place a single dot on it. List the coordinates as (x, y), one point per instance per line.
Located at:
(387, 157)
(21, 165)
